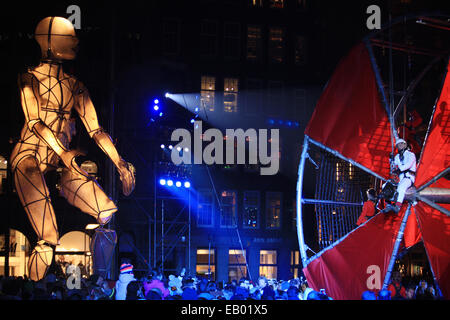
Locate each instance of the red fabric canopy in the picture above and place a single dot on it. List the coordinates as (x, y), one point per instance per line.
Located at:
(359, 262)
(435, 226)
(349, 117)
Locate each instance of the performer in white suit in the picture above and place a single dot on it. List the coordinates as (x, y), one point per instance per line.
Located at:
(405, 163)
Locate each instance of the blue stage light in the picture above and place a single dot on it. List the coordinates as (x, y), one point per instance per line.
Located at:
(196, 109)
(160, 114)
(271, 121)
(187, 184)
(163, 146)
(156, 101)
(169, 183)
(170, 147)
(192, 120)
(167, 95)
(162, 182)
(178, 184)
(155, 107)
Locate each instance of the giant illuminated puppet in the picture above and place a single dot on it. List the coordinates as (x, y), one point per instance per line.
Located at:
(48, 95)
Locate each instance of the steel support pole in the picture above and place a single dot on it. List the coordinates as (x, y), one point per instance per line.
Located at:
(398, 240)
(299, 198)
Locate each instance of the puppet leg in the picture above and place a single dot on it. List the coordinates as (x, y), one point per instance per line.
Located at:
(34, 196)
(87, 195)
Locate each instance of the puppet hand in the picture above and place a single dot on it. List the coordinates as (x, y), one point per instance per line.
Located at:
(68, 158)
(127, 177)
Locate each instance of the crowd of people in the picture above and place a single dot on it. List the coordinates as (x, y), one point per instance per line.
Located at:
(155, 286)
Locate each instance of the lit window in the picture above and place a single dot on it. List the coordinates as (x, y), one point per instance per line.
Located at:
(276, 44)
(206, 263)
(228, 212)
(254, 43)
(273, 209)
(232, 40)
(268, 263)
(230, 94)
(208, 87)
(295, 263)
(237, 266)
(205, 208)
(256, 3)
(251, 209)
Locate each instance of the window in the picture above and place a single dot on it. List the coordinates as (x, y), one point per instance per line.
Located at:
(232, 40)
(3, 174)
(228, 212)
(171, 37)
(230, 96)
(254, 102)
(300, 104)
(276, 4)
(300, 50)
(295, 263)
(206, 263)
(256, 3)
(274, 98)
(251, 209)
(254, 43)
(237, 266)
(208, 38)
(268, 263)
(276, 44)
(208, 87)
(273, 209)
(205, 208)
(301, 5)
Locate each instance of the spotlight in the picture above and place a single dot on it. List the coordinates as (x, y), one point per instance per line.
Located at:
(162, 182)
(196, 109)
(167, 95)
(192, 120)
(169, 183)
(186, 149)
(178, 149)
(155, 107)
(187, 184)
(178, 184)
(163, 146)
(156, 101)
(160, 114)
(170, 147)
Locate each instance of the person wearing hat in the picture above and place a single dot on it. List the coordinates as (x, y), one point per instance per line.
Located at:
(368, 209)
(125, 277)
(405, 162)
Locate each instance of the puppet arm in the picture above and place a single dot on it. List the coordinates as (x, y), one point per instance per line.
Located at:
(88, 115)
